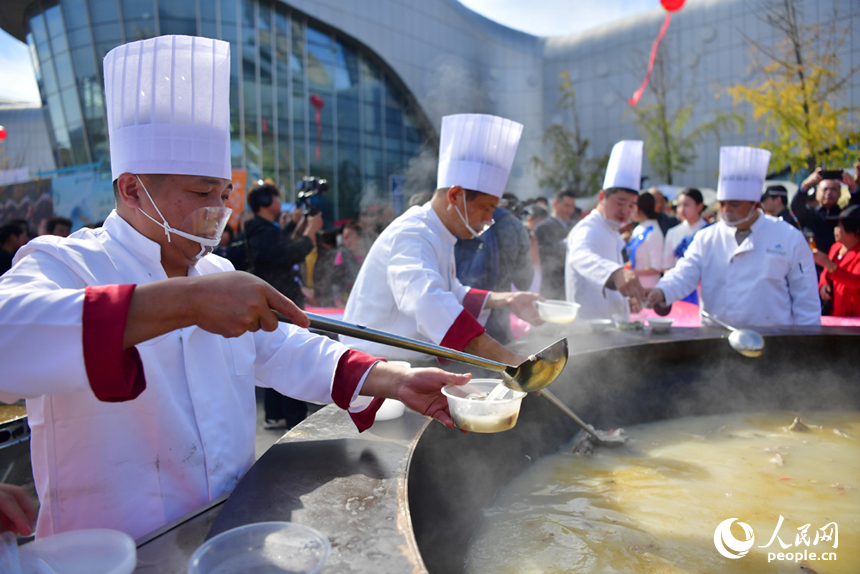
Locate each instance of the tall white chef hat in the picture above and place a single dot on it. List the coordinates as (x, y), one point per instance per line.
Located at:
(625, 166)
(168, 106)
(742, 173)
(477, 151)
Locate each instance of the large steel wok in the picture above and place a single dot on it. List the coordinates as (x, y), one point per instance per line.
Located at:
(407, 495)
(452, 476)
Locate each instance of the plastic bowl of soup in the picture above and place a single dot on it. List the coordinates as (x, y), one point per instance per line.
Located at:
(474, 410)
(555, 311)
(273, 547)
(660, 324)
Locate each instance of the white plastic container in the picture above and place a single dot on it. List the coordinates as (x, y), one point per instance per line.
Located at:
(555, 311)
(270, 547)
(660, 324)
(88, 551)
(600, 325)
(473, 413)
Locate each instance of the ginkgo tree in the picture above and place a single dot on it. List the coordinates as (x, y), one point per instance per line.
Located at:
(796, 99)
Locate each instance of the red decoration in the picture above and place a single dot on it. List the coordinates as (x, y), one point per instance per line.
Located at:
(672, 5)
(318, 103)
(2, 133)
(635, 98)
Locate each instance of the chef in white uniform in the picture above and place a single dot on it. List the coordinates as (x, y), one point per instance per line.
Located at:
(136, 349)
(595, 276)
(408, 283)
(754, 268)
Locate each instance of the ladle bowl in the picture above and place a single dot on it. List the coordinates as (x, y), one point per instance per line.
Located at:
(746, 342)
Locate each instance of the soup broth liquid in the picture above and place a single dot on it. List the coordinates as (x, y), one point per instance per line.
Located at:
(654, 504)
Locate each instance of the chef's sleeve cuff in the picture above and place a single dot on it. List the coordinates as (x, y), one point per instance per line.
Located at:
(474, 301)
(461, 333)
(352, 369)
(115, 374)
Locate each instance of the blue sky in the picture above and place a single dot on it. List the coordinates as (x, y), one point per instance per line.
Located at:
(539, 17)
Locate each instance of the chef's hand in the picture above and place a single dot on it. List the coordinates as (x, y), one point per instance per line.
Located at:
(655, 297)
(823, 260)
(626, 282)
(231, 304)
(17, 511)
(826, 292)
(418, 389)
(522, 304)
(227, 304)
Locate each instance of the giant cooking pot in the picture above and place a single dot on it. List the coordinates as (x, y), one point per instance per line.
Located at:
(407, 495)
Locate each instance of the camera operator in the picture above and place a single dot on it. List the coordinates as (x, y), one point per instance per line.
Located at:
(276, 258)
(828, 187)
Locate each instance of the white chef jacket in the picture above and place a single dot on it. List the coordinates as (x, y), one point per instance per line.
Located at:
(649, 254)
(593, 254)
(408, 286)
(675, 236)
(768, 280)
(187, 438)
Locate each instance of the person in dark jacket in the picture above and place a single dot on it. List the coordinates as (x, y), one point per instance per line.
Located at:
(774, 201)
(816, 220)
(276, 255)
(550, 235)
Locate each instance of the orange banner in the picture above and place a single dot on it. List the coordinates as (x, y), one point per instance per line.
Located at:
(236, 201)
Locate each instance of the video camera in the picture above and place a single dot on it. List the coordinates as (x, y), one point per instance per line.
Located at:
(309, 187)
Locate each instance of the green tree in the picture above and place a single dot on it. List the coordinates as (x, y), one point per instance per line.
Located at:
(796, 100)
(664, 119)
(568, 165)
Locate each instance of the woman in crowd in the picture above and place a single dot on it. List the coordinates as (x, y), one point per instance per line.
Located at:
(645, 248)
(689, 211)
(839, 284)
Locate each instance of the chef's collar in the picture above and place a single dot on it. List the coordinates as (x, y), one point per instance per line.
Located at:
(434, 222)
(132, 239)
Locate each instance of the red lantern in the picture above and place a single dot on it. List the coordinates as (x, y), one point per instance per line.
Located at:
(2, 133)
(672, 5)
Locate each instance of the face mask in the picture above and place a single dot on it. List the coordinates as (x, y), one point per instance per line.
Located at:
(616, 225)
(741, 221)
(205, 225)
(465, 220)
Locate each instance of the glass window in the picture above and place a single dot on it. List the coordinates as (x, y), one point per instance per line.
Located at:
(107, 34)
(80, 37)
(49, 78)
(65, 76)
(228, 12)
(75, 14)
(208, 19)
(54, 20)
(104, 11)
(184, 10)
(71, 107)
(178, 26)
(138, 9)
(40, 32)
(85, 66)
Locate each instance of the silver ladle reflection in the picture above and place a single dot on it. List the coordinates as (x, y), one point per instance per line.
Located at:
(747, 343)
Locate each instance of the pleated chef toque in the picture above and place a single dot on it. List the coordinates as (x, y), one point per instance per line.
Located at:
(168, 106)
(477, 151)
(625, 166)
(742, 173)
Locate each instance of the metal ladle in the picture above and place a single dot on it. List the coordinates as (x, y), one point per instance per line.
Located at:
(531, 375)
(747, 343)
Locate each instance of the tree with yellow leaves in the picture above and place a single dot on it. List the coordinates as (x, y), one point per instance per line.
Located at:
(797, 100)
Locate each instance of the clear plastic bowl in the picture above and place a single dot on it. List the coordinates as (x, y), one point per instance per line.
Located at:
(660, 325)
(87, 551)
(478, 415)
(555, 311)
(270, 547)
(599, 325)
(624, 322)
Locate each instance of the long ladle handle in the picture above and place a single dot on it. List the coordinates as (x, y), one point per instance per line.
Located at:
(563, 408)
(330, 325)
(717, 321)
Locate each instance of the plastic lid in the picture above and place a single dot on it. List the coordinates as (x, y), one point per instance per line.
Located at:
(90, 551)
